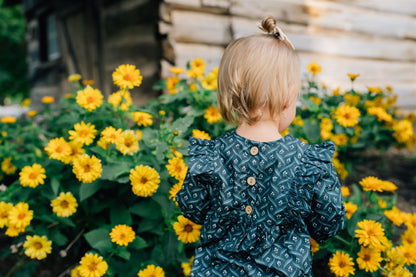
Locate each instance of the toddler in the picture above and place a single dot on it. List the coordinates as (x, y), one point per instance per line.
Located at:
(259, 196)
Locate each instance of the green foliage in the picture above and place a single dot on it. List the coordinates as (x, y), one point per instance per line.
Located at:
(13, 68)
(109, 200)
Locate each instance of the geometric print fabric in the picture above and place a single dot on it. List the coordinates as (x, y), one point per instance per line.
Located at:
(259, 204)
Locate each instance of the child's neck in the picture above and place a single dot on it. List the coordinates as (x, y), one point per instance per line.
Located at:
(263, 130)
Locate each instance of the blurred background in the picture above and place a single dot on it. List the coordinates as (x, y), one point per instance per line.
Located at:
(42, 42)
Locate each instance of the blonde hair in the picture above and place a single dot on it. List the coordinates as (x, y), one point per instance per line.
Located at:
(255, 72)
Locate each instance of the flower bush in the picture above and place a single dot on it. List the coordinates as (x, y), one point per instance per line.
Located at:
(89, 183)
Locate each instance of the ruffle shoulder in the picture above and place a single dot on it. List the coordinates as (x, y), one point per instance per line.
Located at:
(316, 162)
(202, 156)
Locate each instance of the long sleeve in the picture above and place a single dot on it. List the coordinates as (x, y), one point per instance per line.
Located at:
(194, 196)
(327, 210)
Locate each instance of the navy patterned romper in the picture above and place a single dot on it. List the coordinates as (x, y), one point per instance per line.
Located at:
(259, 204)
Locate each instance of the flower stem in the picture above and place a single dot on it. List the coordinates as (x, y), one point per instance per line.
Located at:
(343, 240)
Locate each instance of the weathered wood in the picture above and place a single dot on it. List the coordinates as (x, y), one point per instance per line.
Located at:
(348, 44)
(407, 7)
(330, 15)
(186, 52)
(200, 28)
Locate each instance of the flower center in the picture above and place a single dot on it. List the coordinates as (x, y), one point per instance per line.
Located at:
(90, 99)
(33, 175)
(37, 245)
(367, 257)
(59, 149)
(144, 180)
(83, 133)
(128, 77)
(87, 168)
(188, 228)
(92, 266)
(21, 215)
(64, 204)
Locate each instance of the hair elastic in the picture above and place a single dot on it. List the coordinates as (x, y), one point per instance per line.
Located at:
(278, 33)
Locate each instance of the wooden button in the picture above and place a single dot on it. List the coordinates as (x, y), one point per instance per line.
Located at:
(249, 209)
(251, 181)
(254, 150)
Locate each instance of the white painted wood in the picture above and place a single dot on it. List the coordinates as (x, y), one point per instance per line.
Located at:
(331, 15)
(186, 52)
(198, 27)
(406, 7)
(336, 43)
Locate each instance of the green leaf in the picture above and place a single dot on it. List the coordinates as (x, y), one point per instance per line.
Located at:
(119, 214)
(123, 253)
(312, 130)
(182, 124)
(55, 184)
(310, 105)
(86, 190)
(147, 208)
(138, 243)
(99, 239)
(58, 238)
(113, 171)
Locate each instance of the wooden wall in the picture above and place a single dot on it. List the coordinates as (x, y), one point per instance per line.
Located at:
(374, 38)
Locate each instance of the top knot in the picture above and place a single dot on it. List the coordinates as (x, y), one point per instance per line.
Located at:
(269, 26)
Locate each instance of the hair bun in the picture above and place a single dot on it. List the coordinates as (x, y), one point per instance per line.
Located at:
(268, 25)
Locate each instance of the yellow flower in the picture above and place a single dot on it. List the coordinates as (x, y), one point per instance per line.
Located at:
(87, 169)
(171, 84)
(371, 183)
(58, 149)
(177, 168)
(128, 143)
(341, 264)
(144, 180)
(76, 151)
(336, 92)
(401, 272)
(20, 216)
(174, 190)
(8, 119)
(374, 89)
(103, 143)
(403, 131)
(74, 78)
(340, 139)
(75, 272)
(395, 215)
(314, 246)
(127, 76)
(48, 99)
(351, 208)
(122, 234)
(380, 113)
(298, 121)
(37, 247)
(151, 271)
(142, 119)
(352, 100)
(347, 116)
(14, 231)
(92, 265)
(210, 81)
(345, 191)
(68, 95)
(26, 102)
(4, 213)
(32, 176)
(394, 260)
(200, 134)
(371, 234)
(353, 76)
(176, 70)
(187, 267)
(409, 237)
(382, 204)
(197, 68)
(121, 99)
(369, 259)
(7, 167)
(411, 221)
(87, 82)
(388, 186)
(409, 253)
(193, 87)
(212, 114)
(89, 98)
(111, 135)
(32, 113)
(83, 133)
(314, 68)
(64, 205)
(186, 230)
(316, 100)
